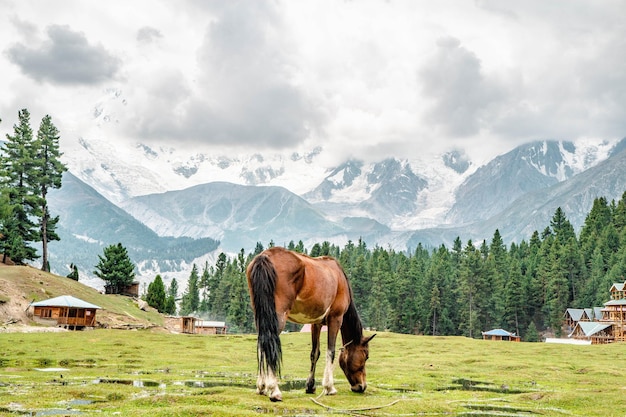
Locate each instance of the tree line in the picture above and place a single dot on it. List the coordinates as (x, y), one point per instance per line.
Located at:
(465, 289)
(29, 167)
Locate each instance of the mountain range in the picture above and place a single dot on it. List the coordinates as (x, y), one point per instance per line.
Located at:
(172, 210)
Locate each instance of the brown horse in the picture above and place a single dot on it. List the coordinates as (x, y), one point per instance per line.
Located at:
(286, 285)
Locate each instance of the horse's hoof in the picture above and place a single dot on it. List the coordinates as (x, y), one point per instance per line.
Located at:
(276, 398)
(310, 390)
(331, 391)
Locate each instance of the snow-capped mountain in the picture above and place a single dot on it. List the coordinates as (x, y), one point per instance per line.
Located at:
(167, 232)
(527, 168)
(173, 207)
(446, 189)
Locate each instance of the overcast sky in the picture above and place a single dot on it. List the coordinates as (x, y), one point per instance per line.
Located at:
(357, 77)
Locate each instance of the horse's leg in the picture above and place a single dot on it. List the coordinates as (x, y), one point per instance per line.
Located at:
(260, 380)
(328, 382)
(315, 355)
(271, 380)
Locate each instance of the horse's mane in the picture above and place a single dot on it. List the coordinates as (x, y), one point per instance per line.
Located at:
(351, 328)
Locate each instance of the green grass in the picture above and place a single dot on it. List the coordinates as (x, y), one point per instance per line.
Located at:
(145, 373)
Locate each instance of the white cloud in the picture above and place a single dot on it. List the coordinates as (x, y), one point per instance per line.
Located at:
(361, 79)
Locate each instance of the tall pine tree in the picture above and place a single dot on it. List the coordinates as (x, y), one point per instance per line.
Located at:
(17, 168)
(191, 298)
(49, 171)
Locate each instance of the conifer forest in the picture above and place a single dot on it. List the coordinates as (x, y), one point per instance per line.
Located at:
(465, 289)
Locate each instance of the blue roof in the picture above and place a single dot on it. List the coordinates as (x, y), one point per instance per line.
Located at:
(498, 332)
(64, 301)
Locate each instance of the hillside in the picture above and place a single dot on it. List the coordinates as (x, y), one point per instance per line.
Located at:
(21, 285)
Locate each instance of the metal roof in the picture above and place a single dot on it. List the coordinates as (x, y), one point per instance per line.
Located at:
(209, 323)
(575, 313)
(590, 328)
(498, 332)
(64, 301)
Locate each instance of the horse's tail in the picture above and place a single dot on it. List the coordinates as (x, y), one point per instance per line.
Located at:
(262, 285)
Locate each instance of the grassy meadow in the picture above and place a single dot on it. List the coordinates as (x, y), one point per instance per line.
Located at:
(149, 373)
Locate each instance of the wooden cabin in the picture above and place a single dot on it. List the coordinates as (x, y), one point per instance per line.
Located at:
(130, 290)
(194, 325)
(597, 333)
(500, 335)
(607, 325)
(66, 311)
(617, 291)
(575, 315)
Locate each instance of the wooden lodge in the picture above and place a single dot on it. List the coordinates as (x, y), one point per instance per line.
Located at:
(194, 325)
(607, 325)
(500, 335)
(131, 290)
(65, 311)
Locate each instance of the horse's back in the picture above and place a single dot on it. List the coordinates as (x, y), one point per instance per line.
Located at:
(308, 289)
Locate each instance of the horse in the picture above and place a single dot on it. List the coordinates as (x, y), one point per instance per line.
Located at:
(286, 285)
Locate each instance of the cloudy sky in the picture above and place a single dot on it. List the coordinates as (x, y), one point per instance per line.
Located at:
(360, 78)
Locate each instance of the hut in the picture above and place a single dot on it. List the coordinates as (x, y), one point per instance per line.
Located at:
(65, 311)
(499, 334)
(194, 325)
(130, 290)
(210, 327)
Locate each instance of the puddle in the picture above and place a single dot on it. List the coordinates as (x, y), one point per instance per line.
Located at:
(473, 385)
(494, 411)
(79, 402)
(56, 412)
(287, 385)
(135, 383)
(51, 369)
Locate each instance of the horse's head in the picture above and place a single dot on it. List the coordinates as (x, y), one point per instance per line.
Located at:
(352, 361)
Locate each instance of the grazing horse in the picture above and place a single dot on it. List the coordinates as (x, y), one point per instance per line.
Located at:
(286, 285)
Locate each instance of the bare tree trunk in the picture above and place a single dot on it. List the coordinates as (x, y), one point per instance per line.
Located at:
(44, 239)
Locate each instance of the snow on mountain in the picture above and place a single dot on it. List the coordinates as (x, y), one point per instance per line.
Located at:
(527, 168)
(401, 194)
(121, 168)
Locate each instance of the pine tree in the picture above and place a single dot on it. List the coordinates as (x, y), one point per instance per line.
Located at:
(6, 217)
(49, 171)
(515, 298)
(191, 298)
(170, 301)
(74, 272)
(204, 287)
(470, 277)
(156, 294)
(239, 313)
(16, 171)
(115, 268)
(532, 335)
(214, 284)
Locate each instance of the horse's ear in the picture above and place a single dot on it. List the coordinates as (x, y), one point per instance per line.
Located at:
(367, 340)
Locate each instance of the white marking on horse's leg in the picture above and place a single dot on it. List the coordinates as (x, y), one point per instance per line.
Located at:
(260, 385)
(271, 386)
(260, 380)
(328, 382)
